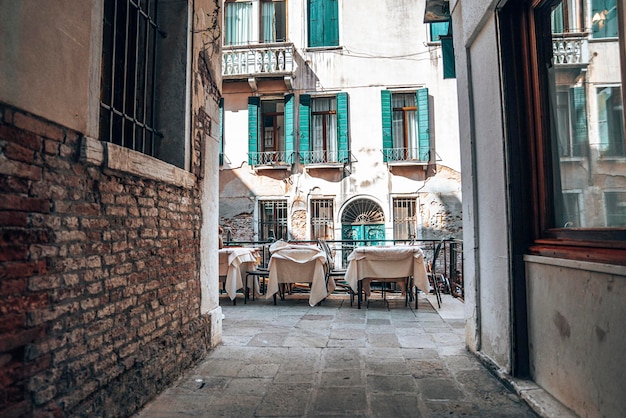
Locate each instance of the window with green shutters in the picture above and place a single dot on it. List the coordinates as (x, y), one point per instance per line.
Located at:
(270, 131)
(324, 129)
(323, 24)
(406, 125)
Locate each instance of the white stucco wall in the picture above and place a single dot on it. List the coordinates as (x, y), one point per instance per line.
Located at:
(576, 332)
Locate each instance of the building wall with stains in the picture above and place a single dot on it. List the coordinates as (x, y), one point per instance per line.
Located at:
(360, 66)
(108, 256)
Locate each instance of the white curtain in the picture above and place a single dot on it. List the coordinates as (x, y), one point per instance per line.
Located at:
(268, 22)
(399, 141)
(317, 129)
(238, 22)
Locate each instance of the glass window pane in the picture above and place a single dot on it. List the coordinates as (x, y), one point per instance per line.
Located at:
(604, 18)
(587, 133)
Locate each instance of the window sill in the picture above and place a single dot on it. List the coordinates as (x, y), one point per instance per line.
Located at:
(595, 267)
(323, 48)
(116, 158)
(555, 249)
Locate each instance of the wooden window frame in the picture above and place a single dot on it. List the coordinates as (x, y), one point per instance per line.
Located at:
(604, 245)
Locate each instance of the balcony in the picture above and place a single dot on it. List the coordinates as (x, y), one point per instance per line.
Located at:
(325, 157)
(254, 61)
(270, 159)
(570, 49)
(405, 156)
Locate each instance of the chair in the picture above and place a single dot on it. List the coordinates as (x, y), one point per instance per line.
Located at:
(435, 280)
(331, 271)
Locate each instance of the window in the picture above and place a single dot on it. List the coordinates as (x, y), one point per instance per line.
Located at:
(272, 220)
(238, 23)
(406, 125)
(610, 121)
(568, 17)
(322, 220)
(405, 218)
(604, 18)
(324, 129)
(257, 21)
(136, 58)
(615, 204)
(270, 130)
(273, 21)
(579, 203)
(323, 25)
(571, 121)
(438, 29)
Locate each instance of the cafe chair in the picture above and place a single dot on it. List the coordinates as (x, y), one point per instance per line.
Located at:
(331, 272)
(435, 280)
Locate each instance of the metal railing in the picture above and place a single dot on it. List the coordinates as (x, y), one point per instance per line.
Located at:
(406, 154)
(449, 262)
(270, 158)
(324, 156)
(255, 60)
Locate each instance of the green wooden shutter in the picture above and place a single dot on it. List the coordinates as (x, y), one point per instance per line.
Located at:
(305, 128)
(331, 23)
(579, 120)
(447, 52)
(253, 129)
(342, 127)
(423, 124)
(385, 102)
(316, 23)
(221, 108)
(289, 128)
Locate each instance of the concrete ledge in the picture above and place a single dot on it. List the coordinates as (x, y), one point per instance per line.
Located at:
(117, 158)
(215, 318)
(540, 401)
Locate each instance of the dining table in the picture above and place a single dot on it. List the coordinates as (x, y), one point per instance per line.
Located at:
(233, 264)
(299, 263)
(402, 264)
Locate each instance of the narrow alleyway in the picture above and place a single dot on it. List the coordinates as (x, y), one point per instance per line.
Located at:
(386, 360)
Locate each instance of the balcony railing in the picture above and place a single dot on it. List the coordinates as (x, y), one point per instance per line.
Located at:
(257, 60)
(410, 155)
(570, 48)
(324, 157)
(270, 158)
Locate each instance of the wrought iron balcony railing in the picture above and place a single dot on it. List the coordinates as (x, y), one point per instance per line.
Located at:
(324, 157)
(570, 48)
(257, 60)
(270, 158)
(406, 154)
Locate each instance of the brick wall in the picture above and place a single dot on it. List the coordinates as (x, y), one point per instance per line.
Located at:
(99, 279)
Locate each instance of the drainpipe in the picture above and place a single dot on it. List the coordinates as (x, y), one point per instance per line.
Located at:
(475, 206)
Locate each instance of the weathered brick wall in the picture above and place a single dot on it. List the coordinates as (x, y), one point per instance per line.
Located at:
(99, 279)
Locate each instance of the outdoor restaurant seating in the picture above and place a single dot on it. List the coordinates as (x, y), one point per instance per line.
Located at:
(234, 262)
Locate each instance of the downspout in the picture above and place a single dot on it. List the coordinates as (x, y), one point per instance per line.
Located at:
(475, 207)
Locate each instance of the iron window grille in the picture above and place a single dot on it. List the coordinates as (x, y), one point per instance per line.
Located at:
(127, 95)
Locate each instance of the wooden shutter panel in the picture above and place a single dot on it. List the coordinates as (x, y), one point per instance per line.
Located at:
(253, 129)
(221, 108)
(316, 23)
(385, 102)
(423, 124)
(305, 127)
(579, 121)
(342, 127)
(289, 128)
(331, 23)
(447, 51)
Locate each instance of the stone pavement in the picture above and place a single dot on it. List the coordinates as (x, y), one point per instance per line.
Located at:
(334, 360)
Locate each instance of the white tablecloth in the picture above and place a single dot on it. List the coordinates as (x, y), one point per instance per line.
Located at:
(296, 263)
(393, 262)
(233, 263)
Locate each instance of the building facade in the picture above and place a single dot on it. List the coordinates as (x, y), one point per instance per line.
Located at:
(541, 110)
(109, 129)
(339, 122)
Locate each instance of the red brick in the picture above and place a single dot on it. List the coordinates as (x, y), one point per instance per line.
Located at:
(16, 219)
(19, 169)
(25, 204)
(38, 126)
(27, 139)
(12, 322)
(20, 338)
(17, 236)
(21, 269)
